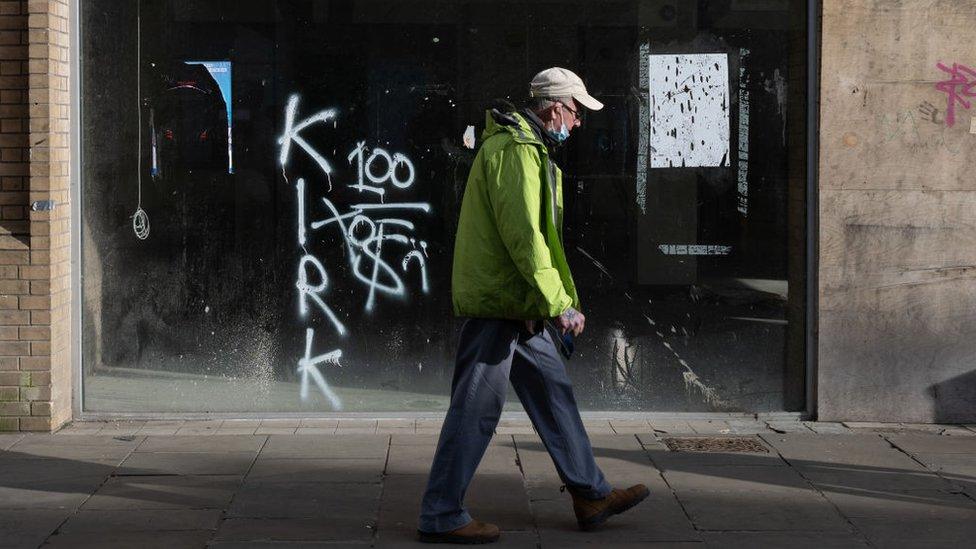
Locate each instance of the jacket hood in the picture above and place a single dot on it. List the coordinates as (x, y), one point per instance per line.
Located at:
(497, 121)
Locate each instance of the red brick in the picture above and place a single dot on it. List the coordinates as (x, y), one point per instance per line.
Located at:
(14, 408)
(14, 379)
(35, 363)
(14, 348)
(34, 333)
(35, 302)
(35, 424)
(14, 317)
(14, 286)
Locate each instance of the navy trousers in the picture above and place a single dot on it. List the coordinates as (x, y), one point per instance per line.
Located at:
(490, 354)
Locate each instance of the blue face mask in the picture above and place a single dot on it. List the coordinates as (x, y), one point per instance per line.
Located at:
(559, 136)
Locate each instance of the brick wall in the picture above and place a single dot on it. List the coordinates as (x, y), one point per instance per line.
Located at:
(35, 313)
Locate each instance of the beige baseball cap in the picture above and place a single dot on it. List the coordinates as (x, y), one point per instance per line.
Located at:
(558, 82)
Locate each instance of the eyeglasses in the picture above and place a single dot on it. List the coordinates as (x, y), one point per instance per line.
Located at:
(576, 113)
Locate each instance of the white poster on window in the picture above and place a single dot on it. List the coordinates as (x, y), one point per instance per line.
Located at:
(689, 98)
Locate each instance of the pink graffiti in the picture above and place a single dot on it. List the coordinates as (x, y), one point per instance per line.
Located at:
(961, 84)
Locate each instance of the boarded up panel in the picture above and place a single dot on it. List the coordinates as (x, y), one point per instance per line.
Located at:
(897, 214)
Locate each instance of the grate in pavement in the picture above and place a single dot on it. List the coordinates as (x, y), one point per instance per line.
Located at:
(714, 444)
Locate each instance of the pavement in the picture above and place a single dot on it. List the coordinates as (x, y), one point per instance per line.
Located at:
(299, 483)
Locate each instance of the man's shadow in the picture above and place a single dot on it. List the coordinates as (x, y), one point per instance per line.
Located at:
(885, 483)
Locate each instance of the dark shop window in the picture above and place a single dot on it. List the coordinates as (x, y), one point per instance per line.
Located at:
(270, 192)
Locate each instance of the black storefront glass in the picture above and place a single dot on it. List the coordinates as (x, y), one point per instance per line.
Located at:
(270, 192)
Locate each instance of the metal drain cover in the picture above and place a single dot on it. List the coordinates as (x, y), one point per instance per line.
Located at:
(714, 444)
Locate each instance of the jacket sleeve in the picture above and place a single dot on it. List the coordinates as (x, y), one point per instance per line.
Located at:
(515, 193)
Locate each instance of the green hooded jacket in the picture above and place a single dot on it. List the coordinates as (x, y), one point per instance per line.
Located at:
(509, 260)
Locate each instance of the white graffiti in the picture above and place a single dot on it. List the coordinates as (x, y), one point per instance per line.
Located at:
(375, 272)
(306, 290)
(291, 134)
(367, 230)
(694, 249)
(308, 367)
(742, 188)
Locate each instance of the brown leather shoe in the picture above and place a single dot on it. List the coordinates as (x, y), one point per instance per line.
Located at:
(472, 533)
(591, 513)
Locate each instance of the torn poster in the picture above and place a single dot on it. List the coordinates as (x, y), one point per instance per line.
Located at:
(689, 97)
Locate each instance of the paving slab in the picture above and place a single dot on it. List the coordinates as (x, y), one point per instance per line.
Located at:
(29, 527)
(922, 532)
(828, 427)
(162, 428)
(415, 440)
(597, 427)
(284, 544)
(165, 492)
(18, 471)
(327, 446)
(793, 540)
(514, 426)
(356, 426)
(86, 428)
(747, 427)
(140, 520)
(238, 427)
(351, 470)
(74, 447)
(359, 502)
(315, 431)
(536, 465)
(789, 427)
(277, 431)
(752, 498)
(396, 426)
(343, 528)
(935, 429)
(121, 428)
(429, 426)
(656, 519)
(47, 494)
(128, 540)
(959, 466)
(671, 427)
(864, 449)
(201, 427)
(6, 440)
(184, 443)
(933, 444)
(710, 426)
(397, 539)
(837, 478)
(499, 499)
(319, 423)
(499, 458)
(278, 427)
(400, 503)
(629, 426)
(910, 505)
(187, 463)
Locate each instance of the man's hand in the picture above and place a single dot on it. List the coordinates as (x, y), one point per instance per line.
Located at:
(571, 321)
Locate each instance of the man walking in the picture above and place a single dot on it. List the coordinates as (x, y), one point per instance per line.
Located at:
(510, 275)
